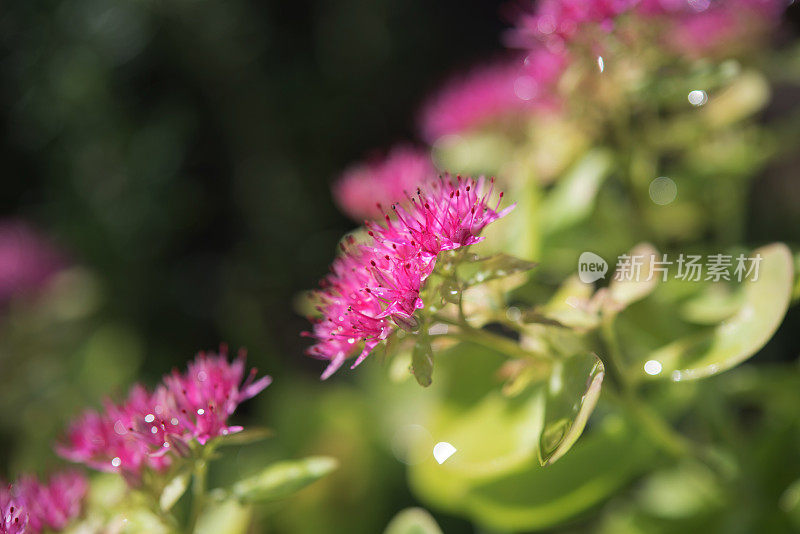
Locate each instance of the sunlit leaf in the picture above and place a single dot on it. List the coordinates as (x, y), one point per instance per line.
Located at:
(247, 436)
(496, 266)
(413, 521)
(572, 393)
(636, 276)
(571, 305)
(174, 490)
(282, 479)
(746, 95)
(228, 517)
(541, 497)
(573, 198)
(713, 305)
(765, 302)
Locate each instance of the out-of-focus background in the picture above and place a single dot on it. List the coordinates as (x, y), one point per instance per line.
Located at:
(166, 166)
(178, 157)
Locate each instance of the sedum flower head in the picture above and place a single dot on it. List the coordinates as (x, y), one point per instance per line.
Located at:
(53, 505)
(382, 181)
(374, 287)
(208, 393)
(150, 428)
(108, 440)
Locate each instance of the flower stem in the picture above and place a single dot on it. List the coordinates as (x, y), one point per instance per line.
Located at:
(198, 491)
(488, 339)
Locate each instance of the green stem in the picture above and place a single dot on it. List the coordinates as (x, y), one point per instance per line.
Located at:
(489, 340)
(198, 491)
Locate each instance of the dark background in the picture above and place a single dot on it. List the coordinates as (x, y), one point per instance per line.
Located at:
(184, 150)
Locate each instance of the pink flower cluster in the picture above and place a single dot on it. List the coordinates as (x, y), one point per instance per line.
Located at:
(32, 506)
(498, 90)
(27, 259)
(382, 181)
(141, 432)
(699, 27)
(690, 27)
(374, 287)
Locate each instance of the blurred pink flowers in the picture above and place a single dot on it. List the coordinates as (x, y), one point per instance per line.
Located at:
(491, 92)
(52, 505)
(375, 287)
(697, 27)
(27, 259)
(32, 506)
(382, 181)
(689, 27)
(141, 432)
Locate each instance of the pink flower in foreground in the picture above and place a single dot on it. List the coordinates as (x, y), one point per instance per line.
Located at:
(27, 260)
(55, 504)
(382, 181)
(208, 393)
(141, 432)
(375, 287)
(492, 92)
(13, 517)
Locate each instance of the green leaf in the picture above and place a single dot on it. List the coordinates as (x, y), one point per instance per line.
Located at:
(765, 302)
(282, 479)
(633, 283)
(174, 490)
(422, 361)
(245, 437)
(413, 521)
(685, 490)
(570, 305)
(539, 497)
(228, 517)
(713, 305)
(790, 502)
(537, 417)
(572, 393)
(573, 198)
(480, 270)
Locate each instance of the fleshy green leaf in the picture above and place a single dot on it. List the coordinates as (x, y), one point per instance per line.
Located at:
(539, 497)
(282, 479)
(482, 270)
(572, 393)
(714, 305)
(571, 306)
(573, 198)
(174, 490)
(413, 521)
(635, 279)
(247, 436)
(765, 302)
(228, 517)
(422, 361)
